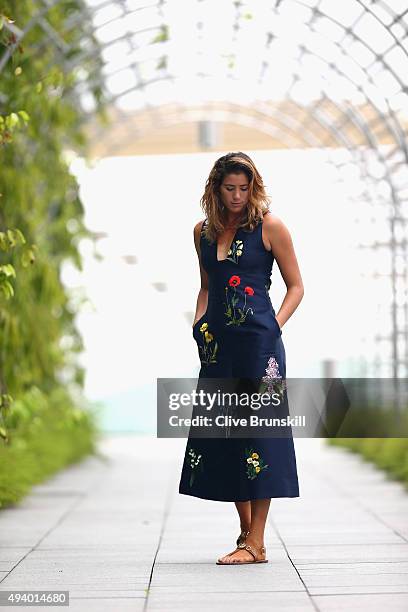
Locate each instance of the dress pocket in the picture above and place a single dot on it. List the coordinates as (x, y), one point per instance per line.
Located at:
(198, 322)
(276, 324)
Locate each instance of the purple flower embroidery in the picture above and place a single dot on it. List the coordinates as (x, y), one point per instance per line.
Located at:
(272, 382)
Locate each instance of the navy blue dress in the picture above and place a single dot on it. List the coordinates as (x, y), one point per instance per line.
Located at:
(237, 337)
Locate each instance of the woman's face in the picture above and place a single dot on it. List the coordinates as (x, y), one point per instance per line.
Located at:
(234, 192)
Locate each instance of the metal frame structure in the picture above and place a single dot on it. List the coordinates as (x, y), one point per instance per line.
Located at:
(352, 54)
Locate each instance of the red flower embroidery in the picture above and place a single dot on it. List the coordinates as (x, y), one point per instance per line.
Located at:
(234, 281)
(233, 312)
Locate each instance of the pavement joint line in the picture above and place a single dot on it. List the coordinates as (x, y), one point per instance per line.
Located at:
(323, 544)
(314, 604)
(349, 562)
(113, 597)
(346, 493)
(361, 594)
(60, 520)
(246, 592)
(169, 500)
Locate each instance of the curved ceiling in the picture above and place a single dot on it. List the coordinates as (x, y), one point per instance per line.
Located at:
(311, 73)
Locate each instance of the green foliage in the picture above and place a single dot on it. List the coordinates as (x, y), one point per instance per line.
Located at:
(40, 118)
(389, 454)
(45, 433)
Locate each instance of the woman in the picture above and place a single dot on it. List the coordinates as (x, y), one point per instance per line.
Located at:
(238, 335)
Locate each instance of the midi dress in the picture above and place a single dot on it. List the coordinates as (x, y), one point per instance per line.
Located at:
(238, 336)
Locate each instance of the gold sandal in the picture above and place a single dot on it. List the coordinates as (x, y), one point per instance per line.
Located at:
(250, 550)
(242, 537)
(240, 540)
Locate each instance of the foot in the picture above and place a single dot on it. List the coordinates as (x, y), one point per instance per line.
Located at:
(242, 536)
(240, 555)
(240, 540)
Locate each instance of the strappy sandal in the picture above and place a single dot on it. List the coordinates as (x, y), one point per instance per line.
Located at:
(240, 540)
(242, 537)
(250, 550)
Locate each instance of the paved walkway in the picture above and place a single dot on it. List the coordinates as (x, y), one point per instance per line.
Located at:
(119, 537)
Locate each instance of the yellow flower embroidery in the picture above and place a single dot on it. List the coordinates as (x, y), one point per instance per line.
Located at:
(209, 348)
(254, 467)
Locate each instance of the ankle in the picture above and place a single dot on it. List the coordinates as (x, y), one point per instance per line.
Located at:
(255, 540)
(245, 528)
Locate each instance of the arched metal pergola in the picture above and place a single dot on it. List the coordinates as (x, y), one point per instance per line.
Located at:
(311, 73)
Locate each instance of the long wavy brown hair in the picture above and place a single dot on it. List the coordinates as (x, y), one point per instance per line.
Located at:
(211, 202)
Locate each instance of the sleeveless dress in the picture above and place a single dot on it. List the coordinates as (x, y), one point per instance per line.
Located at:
(236, 337)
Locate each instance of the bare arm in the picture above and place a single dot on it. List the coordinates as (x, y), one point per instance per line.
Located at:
(202, 299)
(282, 247)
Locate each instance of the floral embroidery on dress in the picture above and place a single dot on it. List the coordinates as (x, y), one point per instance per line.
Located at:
(272, 382)
(232, 311)
(195, 461)
(235, 251)
(209, 348)
(255, 463)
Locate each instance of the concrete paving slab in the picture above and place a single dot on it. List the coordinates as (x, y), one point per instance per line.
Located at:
(374, 602)
(118, 536)
(202, 601)
(348, 553)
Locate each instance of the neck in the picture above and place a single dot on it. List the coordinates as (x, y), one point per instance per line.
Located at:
(232, 220)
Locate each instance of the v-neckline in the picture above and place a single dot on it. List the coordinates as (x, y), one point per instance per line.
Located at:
(229, 248)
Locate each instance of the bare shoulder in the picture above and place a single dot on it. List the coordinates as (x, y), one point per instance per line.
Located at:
(197, 232)
(273, 222)
(197, 229)
(198, 226)
(275, 230)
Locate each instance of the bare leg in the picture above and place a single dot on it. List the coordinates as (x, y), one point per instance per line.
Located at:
(244, 511)
(259, 514)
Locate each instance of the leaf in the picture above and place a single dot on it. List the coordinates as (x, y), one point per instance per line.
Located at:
(25, 116)
(11, 238)
(20, 235)
(12, 120)
(27, 258)
(5, 400)
(162, 36)
(7, 289)
(8, 270)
